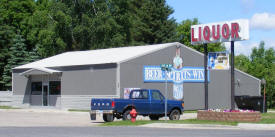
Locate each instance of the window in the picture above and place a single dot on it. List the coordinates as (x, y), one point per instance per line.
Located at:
(36, 88)
(55, 87)
(156, 95)
(139, 94)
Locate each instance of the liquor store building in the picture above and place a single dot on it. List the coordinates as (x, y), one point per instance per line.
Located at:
(69, 80)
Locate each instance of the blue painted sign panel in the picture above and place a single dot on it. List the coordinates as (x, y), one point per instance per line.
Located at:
(185, 74)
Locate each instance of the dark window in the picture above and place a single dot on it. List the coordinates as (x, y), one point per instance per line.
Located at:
(156, 95)
(139, 94)
(36, 88)
(55, 87)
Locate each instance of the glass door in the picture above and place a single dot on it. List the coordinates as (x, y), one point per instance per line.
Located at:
(45, 95)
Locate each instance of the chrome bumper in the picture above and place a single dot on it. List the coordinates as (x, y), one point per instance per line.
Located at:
(93, 113)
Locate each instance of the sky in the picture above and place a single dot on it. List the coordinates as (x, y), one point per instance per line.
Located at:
(260, 13)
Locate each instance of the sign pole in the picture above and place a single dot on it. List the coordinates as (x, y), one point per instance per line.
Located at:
(166, 96)
(205, 76)
(232, 77)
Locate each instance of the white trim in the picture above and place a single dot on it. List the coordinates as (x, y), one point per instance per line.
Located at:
(46, 70)
(118, 80)
(12, 83)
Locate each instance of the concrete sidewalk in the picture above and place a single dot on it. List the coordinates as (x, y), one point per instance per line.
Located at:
(240, 126)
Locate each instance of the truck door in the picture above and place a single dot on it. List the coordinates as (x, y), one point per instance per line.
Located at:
(157, 102)
(140, 99)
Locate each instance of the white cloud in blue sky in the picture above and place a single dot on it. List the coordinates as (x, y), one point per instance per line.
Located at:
(263, 21)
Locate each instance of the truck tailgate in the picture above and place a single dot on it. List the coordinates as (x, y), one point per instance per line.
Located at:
(101, 104)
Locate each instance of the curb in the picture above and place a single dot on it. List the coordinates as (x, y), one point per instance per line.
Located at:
(240, 126)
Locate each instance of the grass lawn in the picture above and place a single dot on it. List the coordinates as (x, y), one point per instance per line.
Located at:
(78, 110)
(8, 107)
(190, 111)
(267, 118)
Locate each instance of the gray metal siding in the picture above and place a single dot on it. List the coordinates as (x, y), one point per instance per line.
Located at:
(89, 81)
(131, 76)
(219, 94)
(246, 84)
(21, 90)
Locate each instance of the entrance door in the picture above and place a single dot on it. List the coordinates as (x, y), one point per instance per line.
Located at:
(45, 95)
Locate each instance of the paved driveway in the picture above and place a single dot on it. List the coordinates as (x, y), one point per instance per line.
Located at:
(33, 118)
(50, 118)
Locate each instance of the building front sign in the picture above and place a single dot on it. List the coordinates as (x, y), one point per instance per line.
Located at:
(220, 32)
(185, 74)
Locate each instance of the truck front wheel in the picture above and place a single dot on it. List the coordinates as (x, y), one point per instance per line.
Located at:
(174, 115)
(108, 117)
(126, 115)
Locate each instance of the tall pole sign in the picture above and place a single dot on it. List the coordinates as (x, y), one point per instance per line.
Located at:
(228, 31)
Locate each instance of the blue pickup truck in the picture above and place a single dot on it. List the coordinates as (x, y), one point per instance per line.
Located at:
(147, 102)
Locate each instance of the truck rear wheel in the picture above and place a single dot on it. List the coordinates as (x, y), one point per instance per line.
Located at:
(126, 115)
(108, 117)
(174, 115)
(154, 117)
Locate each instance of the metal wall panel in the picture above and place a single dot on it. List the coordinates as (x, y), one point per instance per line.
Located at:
(131, 76)
(246, 84)
(89, 80)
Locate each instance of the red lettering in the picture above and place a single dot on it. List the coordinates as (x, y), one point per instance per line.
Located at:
(225, 31)
(193, 39)
(216, 37)
(199, 33)
(206, 33)
(234, 30)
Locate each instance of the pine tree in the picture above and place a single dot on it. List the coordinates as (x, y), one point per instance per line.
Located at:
(18, 56)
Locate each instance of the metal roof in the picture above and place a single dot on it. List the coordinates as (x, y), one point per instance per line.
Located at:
(100, 56)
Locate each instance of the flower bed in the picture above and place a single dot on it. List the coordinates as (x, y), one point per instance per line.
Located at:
(229, 115)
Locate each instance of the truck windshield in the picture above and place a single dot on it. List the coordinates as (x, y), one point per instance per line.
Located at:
(139, 94)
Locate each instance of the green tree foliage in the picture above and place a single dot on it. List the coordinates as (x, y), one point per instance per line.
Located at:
(260, 64)
(155, 25)
(184, 36)
(50, 27)
(18, 55)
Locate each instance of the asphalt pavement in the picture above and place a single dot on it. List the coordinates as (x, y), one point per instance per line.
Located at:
(127, 132)
(62, 123)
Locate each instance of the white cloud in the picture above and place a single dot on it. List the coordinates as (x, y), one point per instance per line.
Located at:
(263, 21)
(241, 47)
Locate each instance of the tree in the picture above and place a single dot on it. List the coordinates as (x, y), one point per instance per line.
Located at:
(18, 55)
(260, 64)
(184, 36)
(242, 62)
(153, 23)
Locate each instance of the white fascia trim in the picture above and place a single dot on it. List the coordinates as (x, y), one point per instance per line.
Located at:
(50, 71)
(118, 80)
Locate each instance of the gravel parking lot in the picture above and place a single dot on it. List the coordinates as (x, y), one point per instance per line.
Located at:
(52, 117)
